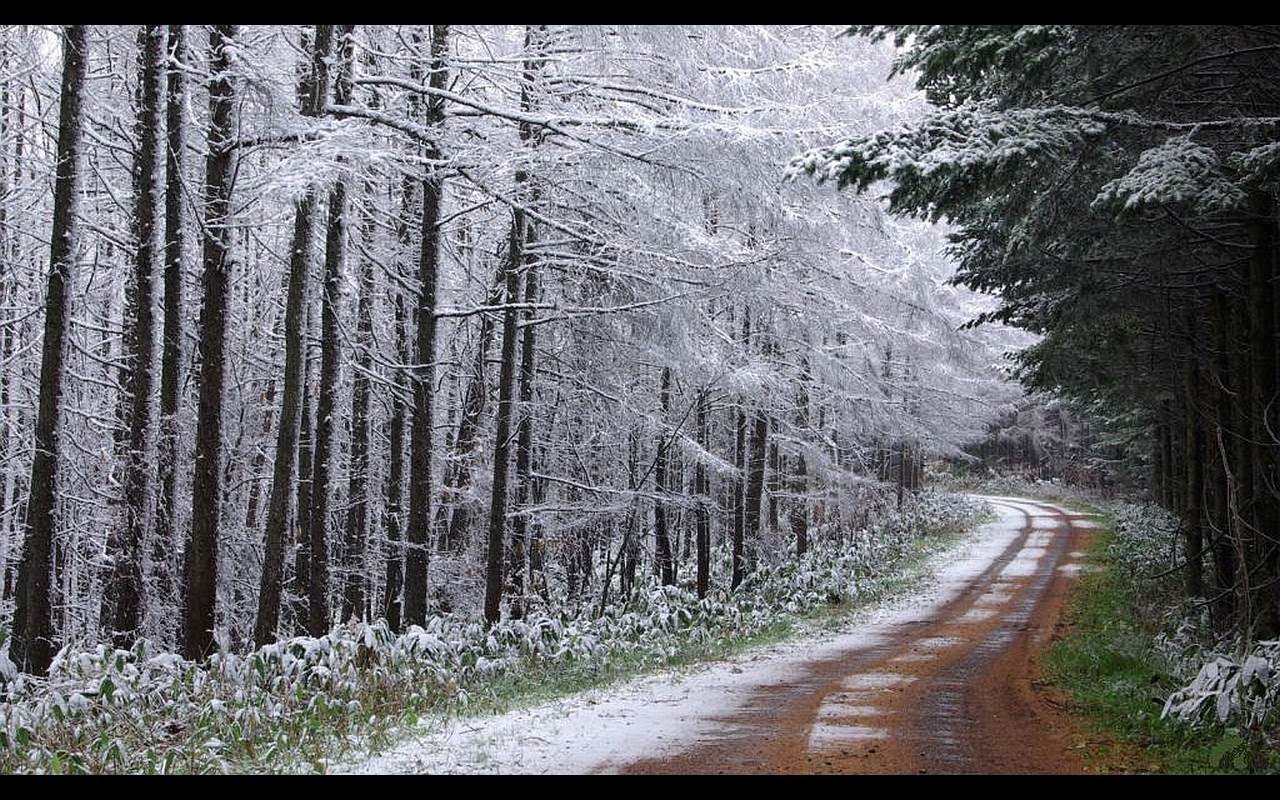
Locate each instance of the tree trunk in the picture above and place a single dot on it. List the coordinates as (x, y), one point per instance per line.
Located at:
(31, 645)
(392, 518)
(1222, 512)
(1262, 356)
(268, 616)
(502, 443)
(702, 514)
(419, 539)
(666, 563)
(200, 559)
(302, 525)
(740, 461)
(327, 395)
(1193, 532)
(524, 440)
(124, 590)
(163, 545)
(293, 405)
(358, 483)
(755, 491)
(394, 581)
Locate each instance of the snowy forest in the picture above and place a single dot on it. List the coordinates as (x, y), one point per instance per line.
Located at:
(461, 345)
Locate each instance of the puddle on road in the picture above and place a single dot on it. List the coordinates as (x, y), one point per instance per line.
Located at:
(825, 736)
(978, 614)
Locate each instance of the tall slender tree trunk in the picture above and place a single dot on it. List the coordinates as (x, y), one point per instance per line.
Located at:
(800, 472)
(740, 462)
(163, 545)
(1262, 383)
(270, 586)
(520, 544)
(419, 534)
(200, 559)
(393, 556)
(666, 562)
(1193, 531)
(31, 644)
(393, 520)
(124, 589)
(267, 622)
(330, 296)
(702, 487)
(353, 596)
(502, 444)
(268, 406)
(1223, 519)
(755, 490)
(301, 593)
(534, 42)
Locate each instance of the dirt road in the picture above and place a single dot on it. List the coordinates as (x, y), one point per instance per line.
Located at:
(942, 681)
(954, 691)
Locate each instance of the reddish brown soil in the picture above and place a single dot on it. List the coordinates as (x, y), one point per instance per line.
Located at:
(958, 692)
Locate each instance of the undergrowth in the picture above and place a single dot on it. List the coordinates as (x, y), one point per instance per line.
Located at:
(301, 703)
(1148, 711)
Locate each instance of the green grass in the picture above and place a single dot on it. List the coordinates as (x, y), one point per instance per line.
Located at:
(1106, 664)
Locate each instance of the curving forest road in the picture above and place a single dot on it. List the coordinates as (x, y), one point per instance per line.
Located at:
(942, 682)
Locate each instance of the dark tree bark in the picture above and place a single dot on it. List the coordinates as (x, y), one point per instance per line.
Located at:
(163, 545)
(200, 560)
(502, 443)
(1262, 384)
(267, 621)
(800, 472)
(353, 596)
(755, 490)
(393, 520)
(666, 563)
(31, 644)
(330, 350)
(534, 43)
(1193, 531)
(775, 478)
(740, 462)
(302, 525)
(123, 595)
(268, 406)
(702, 514)
(1220, 446)
(394, 580)
(270, 587)
(520, 544)
(419, 539)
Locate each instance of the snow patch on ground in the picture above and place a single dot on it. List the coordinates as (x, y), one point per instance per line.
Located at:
(650, 716)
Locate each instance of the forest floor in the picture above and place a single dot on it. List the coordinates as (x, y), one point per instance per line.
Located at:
(944, 679)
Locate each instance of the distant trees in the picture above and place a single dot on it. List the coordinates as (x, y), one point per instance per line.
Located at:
(1117, 186)
(568, 334)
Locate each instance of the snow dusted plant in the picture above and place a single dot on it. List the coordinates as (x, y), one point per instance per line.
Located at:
(1238, 690)
(292, 704)
(1233, 689)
